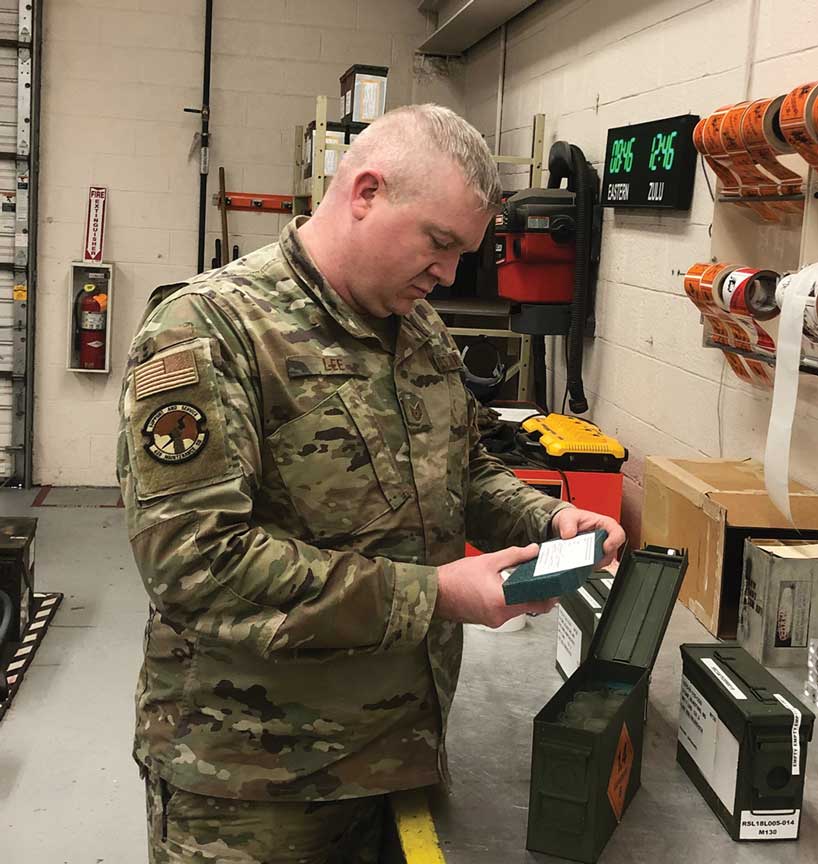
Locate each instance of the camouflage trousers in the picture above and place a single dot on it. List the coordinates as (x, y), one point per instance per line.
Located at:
(184, 828)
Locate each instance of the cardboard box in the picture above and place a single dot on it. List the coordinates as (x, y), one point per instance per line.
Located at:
(778, 614)
(586, 760)
(743, 742)
(363, 93)
(711, 506)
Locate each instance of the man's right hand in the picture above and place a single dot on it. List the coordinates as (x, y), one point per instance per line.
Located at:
(470, 590)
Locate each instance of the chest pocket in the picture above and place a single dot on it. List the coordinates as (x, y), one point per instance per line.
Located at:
(335, 463)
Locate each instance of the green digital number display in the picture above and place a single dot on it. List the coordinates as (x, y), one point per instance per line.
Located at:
(622, 155)
(650, 164)
(662, 151)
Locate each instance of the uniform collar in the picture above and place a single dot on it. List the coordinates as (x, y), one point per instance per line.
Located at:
(414, 328)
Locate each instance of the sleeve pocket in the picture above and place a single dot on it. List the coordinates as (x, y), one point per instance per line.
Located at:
(176, 423)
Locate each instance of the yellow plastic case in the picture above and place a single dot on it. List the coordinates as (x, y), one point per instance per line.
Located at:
(573, 444)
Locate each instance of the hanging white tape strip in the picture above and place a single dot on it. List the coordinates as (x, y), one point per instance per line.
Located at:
(792, 296)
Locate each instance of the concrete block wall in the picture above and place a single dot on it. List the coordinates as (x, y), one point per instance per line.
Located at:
(591, 66)
(117, 76)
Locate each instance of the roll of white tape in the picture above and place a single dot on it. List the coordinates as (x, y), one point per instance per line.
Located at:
(792, 295)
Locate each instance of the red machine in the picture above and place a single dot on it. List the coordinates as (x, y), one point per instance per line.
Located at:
(535, 247)
(92, 320)
(599, 491)
(546, 247)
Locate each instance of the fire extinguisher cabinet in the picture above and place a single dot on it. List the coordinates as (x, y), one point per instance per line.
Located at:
(90, 306)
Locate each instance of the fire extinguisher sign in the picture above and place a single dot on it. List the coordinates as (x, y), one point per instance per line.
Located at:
(95, 225)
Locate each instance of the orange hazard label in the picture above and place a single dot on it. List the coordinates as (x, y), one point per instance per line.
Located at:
(620, 773)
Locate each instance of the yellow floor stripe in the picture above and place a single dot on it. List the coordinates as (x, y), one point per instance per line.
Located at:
(416, 828)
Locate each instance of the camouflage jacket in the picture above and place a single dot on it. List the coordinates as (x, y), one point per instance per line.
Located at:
(292, 480)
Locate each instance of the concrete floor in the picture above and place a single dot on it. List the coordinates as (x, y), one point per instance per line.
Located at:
(70, 794)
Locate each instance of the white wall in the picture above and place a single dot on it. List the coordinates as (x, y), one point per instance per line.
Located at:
(117, 74)
(590, 66)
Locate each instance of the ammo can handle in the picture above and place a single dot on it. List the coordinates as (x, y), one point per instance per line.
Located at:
(737, 664)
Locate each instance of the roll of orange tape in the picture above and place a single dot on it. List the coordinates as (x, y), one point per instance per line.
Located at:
(798, 121)
(761, 134)
(745, 176)
(701, 296)
(729, 183)
(741, 163)
(711, 282)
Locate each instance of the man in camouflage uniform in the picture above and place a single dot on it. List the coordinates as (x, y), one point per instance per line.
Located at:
(301, 466)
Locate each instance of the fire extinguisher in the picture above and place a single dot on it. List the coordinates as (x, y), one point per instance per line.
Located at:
(92, 319)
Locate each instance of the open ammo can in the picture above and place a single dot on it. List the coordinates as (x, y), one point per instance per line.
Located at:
(585, 772)
(743, 742)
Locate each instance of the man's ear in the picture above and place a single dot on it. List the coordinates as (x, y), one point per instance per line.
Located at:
(365, 187)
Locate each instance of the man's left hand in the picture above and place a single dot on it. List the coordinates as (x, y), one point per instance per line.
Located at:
(571, 521)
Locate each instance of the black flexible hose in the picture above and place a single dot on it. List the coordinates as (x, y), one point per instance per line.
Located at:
(579, 308)
(6, 615)
(539, 360)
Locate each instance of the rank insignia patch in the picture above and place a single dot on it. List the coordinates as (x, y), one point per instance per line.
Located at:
(176, 433)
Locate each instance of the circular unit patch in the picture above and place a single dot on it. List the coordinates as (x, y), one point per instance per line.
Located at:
(175, 433)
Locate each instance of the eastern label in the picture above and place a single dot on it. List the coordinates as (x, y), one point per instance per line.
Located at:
(709, 743)
(618, 191)
(769, 825)
(569, 643)
(723, 678)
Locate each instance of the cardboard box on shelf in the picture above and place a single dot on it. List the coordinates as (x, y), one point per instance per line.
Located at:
(711, 506)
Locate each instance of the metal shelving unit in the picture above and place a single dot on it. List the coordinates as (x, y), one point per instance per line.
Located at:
(20, 49)
(308, 194)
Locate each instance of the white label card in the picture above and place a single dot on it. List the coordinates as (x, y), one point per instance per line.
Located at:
(723, 678)
(569, 643)
(769, 825)
(796, 734)
(558, 555)
(516, 415)
(586, 596)
(710, 744)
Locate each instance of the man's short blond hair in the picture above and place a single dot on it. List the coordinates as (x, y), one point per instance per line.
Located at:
(403, 138)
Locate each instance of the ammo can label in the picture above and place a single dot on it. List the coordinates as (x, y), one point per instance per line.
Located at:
(724, 679)
(588, 598)
(796, 734)
(769, 825)
(569, 643)
(709, 743)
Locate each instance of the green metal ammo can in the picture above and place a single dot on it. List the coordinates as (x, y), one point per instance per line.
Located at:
(743, 742)
(586, 761)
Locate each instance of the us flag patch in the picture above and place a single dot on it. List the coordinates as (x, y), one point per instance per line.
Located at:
(165, 373)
